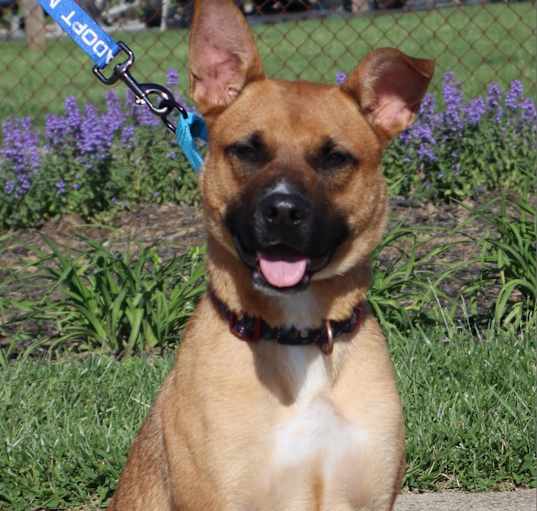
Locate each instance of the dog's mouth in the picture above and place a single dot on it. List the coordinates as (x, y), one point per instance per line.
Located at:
(282, 272)
(280, 267)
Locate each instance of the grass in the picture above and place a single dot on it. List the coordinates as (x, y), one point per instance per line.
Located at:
(469, 409)
(479, 43)
(66, 426)
(97, 300)
(511, 258)
(121, 303)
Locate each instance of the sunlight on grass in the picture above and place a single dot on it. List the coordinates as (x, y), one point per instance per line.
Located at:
(67, 425)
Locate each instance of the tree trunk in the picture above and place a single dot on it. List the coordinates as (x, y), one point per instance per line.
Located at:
(34, 25)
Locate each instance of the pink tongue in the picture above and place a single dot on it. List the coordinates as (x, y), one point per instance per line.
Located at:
(282, 273)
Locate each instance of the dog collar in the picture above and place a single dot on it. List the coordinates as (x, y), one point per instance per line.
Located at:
(252, 329)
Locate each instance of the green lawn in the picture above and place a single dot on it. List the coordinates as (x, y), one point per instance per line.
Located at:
(480, 43)
(66, 426)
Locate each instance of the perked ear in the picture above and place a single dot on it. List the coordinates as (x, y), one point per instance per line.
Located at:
(389, 87)
(222, 57)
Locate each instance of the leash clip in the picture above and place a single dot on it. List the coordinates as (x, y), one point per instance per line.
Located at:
(164, 104)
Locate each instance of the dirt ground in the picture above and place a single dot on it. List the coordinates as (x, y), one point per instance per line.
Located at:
(519, 500)
(174, 228)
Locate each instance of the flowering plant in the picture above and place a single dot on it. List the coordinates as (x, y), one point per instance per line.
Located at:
(86, 161)
(468, 147)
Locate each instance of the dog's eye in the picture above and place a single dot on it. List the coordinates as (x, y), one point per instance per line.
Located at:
(337, 159)
(330, 157)
(243, 152)
(251, 151)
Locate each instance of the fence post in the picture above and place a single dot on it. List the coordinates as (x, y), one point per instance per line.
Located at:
(164, 15)
(34, 25)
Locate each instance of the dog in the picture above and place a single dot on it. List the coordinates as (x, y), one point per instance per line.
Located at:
(283, 394)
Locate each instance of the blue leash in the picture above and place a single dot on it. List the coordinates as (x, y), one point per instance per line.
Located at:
(102, 49)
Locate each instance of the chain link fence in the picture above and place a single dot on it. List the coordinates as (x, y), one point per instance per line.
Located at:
(309, 39)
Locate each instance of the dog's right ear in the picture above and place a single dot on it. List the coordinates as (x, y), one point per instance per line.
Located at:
(222, 57)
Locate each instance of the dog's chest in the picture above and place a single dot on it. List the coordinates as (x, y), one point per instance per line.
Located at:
(312, 439)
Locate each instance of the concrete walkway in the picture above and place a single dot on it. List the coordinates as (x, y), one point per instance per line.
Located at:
(520, 500)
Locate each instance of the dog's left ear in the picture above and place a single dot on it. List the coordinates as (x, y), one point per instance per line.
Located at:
(222, 56)
(389, 87)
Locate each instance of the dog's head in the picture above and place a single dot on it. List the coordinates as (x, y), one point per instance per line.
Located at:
(292, 186)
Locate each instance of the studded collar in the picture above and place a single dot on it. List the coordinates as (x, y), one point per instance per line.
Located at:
(252, 329)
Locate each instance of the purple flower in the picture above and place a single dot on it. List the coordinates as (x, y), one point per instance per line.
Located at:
(474, 110)
(72, 113)
(494, 94)
(172, 77)
(60, 186)
(56, 130)
(130, 102)
(9, 187)
(20, 145)
(127, 135)
(423, 133)
(453, 102)
(95, 135)
(404, 137)
(114, 116)
(529, 112)
(340, 77)
(427, 107)
(426, 153)
(144, 116)
(23, 185)
(514, 94)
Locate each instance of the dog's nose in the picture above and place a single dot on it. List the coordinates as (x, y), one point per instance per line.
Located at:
(285, 210)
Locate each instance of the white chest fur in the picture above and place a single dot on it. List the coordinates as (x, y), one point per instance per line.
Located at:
(316, 432)
(312, 432)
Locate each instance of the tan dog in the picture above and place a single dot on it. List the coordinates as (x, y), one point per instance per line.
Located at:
(294, 202)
